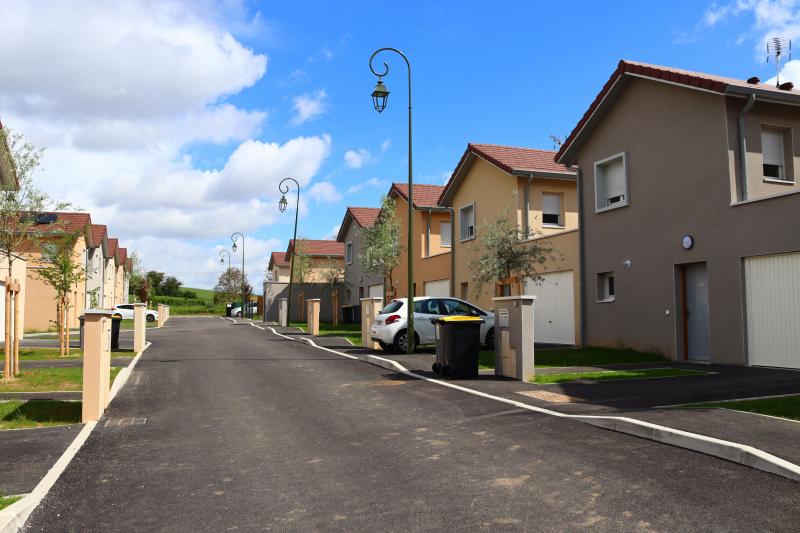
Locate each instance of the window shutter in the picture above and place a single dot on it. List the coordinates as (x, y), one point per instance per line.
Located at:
(615, 179)
(772, 147)
(444, 233)
(551, 204)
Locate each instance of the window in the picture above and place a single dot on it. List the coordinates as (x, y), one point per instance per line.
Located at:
(551, 209)
(466, 220)
(611, 182)
(456, 307)
(393, 306)
(773, 141)
(348, 253)
(605, 287)
(444, 234)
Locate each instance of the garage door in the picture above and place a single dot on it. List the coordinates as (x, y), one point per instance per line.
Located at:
(439, 287)
(375, 291)
(554, 309)
(772, 285)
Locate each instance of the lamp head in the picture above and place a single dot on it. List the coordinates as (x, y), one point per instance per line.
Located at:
(380, 96)
(221, 260)
(283, 203)
(234, 246)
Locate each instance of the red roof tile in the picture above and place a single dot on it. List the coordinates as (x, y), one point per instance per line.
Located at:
(709, 82)
(365, 216)
(69, 222)
(318, 247)
(278, 258)
(98, 232)
(512, 158)
(123, 255)
(113, 244)
(424, 195)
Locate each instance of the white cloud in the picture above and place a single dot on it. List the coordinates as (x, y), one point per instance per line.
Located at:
(385, 145)
(308, 107)
(324, 192)
(357, 158)
(372, 182)
(333, 233)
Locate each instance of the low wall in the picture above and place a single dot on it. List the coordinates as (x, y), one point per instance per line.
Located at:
(275, 290)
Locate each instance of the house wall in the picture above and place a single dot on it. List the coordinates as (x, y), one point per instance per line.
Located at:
(677, 145)
(433, 267)
(273, 291)
(318, 267)
(94, 275)
(109, 281)
(119, 284)
(280, 273)
(355, 277)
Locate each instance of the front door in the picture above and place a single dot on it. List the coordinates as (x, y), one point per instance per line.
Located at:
(696, 310)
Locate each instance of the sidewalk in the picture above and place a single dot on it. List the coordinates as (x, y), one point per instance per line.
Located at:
(647, 400)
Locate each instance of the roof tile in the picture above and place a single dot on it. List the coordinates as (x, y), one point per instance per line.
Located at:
(424, 195)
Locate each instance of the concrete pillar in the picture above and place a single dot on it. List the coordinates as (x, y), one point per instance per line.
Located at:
(96, 363)
(283, 312)
(369, 308)
(312, 318)
(166, 308)
(162, 315)
(513, 337)
(139, 327)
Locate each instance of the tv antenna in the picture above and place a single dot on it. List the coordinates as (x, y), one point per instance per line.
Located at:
(779, 50)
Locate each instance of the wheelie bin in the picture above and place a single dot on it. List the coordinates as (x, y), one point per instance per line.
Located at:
(116, 321)
(458, 344)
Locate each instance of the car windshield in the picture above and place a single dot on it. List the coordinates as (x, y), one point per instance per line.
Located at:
(428, 307)
(392, 307)
(456, 307)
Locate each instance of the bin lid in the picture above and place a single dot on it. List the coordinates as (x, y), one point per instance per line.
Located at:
(457, 318)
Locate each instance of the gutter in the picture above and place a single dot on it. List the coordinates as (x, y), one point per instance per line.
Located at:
(581, 260)
(743, 145)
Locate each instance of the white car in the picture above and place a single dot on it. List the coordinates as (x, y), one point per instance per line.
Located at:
(237, 311)
(389, 328)
(126, 311)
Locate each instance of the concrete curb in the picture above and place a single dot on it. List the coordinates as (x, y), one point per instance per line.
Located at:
(13, 517)
(730, 451)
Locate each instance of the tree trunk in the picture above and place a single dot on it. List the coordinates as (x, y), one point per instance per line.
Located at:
(66, 326)
(7, 366)
(17, 328)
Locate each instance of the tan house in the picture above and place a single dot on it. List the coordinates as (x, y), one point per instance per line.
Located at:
(322, 255)
(278, 268)
(40, 298)
(358, 282)
(95, 266)
(689, 208)
(110, 274)
(120, 296)
(432, 239)
(541, 196)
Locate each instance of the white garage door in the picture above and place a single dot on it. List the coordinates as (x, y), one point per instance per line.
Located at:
(375, 291)
(554, 308)
(772, 283)
(439, 287)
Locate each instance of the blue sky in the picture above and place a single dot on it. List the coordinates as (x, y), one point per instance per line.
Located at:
(268, 89)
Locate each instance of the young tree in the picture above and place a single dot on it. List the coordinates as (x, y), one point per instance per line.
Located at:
(229, 286)
(155, 281)
(63, 272)
(138, 277)
(301, 263)
(505, 251)
(381, 247)
(170, 286)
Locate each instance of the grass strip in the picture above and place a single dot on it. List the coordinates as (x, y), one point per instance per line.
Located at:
(21, 414)
(593, 356)
(63, 379)
(544, 379)
(38, 354)
(782, 407)
(5, 501)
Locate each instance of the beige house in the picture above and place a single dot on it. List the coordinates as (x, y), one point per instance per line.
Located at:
(358, 282)
(432, 239)
(40, 298)
(278, 268)
(120, 295)
(322, 255)
(689, 206)
(110, 274)
(541, 196)
(96, 255)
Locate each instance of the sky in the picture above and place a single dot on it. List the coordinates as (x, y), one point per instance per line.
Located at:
(173, 122)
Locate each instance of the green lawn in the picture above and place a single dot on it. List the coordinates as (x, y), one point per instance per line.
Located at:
(351, 332)
(783, 407)
(581, 356)
(127, 323)
(49, 379)
(543, 379)
(486, 360)
(5, 501)
(19, 414)
(36, 354)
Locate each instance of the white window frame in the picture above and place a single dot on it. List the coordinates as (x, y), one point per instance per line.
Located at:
(602, 163)
(560, 210)
(783, 131)
(447, 233)
(348, 252)
(603, 292)
(460, 226)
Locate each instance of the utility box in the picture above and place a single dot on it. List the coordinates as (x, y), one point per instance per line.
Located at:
(283, 312)
(369, 308)
(513, 339)
(312, 316)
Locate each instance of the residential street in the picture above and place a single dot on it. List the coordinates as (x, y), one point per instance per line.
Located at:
(248, 431)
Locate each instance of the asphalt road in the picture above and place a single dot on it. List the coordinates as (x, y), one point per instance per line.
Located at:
(246, 431)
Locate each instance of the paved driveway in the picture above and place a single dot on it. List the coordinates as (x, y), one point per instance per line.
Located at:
(247, 431)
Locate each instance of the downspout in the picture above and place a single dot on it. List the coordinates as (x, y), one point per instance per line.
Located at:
(743, 145)
(581, 260)
(527, 202)
(452, 252)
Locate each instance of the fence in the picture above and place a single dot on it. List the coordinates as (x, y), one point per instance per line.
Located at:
(275, 290)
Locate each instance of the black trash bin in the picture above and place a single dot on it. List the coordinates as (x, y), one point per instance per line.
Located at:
(228, 308)
(81, 319)
(116, 321)
(458, 344)
(347, 314)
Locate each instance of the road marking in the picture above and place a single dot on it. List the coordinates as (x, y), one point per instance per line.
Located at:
(731, 451)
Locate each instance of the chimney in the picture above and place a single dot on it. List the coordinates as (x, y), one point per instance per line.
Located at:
(755, 80)
(788, 86)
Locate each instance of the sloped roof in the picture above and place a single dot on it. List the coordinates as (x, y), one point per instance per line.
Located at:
(425, 195)
(278, 258)
(513, 160)
(123, 256)
(679, 77)
(98, 232)
(365, 217)
(66, 223)
(113, 245)
(313, 247)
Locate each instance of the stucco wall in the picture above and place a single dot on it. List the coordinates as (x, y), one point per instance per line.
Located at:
(677, 143)
(94, 275)
(109, 272)
(355, 277)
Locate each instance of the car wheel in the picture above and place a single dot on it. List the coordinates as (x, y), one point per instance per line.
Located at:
(239, 314)
(490, 339)
(400, 341)
(150, 318)
(384, 346)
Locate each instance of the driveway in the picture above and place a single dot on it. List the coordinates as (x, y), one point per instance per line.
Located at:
(226, 427)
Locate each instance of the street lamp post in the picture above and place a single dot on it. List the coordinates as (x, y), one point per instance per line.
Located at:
(222, 255)
(380, 96)
(282, 204)
(234, 238)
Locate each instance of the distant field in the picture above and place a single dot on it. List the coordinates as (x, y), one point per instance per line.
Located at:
(207, 295)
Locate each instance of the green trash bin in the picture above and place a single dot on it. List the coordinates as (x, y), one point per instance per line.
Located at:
(458, 344)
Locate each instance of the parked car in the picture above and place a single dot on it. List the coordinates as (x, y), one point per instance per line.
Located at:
(126, 311)
(237, 311)
(389, 329)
